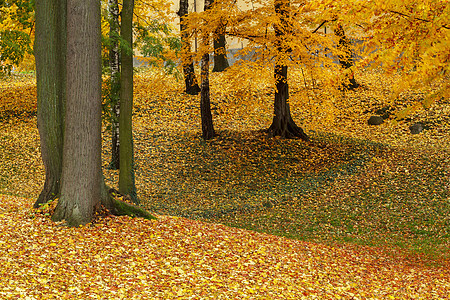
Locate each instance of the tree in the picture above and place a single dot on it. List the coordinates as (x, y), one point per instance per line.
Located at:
(345, 57)
(411, 39)
(192, 87)
(81, 171)
(114, 69)
(277, 37)
(50, 53)
(205, 103)
(69, 111)
(126, 176)
(283, 125)
(220, 51)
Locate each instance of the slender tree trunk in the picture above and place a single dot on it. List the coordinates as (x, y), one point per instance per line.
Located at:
(49, 50)
(283, 125)
(346, 57)
(126, 176)
(81, 172)
(114, 65)
(192, 87)
(205, 103)
(220, 51)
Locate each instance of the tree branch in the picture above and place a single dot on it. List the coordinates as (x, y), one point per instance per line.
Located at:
(416, 18)
(323, 23)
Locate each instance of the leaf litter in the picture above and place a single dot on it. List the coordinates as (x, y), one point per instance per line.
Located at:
(126, 258)
(368, 186)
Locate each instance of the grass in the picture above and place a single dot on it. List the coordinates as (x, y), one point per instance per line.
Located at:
(352, 184)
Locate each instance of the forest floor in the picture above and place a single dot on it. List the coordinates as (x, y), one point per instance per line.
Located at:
(360, 211)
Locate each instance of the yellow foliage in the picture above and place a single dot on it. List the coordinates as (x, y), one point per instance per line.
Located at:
(408, 38)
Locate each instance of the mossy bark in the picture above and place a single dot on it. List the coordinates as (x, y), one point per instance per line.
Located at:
(122, 208)
(127, 184)
(49, 51)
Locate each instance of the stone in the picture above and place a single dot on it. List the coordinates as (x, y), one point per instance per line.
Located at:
(416, 128)
(384, 112)
(375, 120)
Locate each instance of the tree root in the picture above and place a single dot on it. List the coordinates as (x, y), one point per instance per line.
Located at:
(123, 207)
(288, 130)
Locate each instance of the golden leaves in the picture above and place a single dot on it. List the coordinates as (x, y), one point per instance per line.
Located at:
(124, 258)
(176, 257)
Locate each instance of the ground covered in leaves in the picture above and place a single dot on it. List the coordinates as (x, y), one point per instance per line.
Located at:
(372, 202)
(179, 258)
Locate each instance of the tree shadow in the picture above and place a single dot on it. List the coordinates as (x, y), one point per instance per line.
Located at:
(238, 171)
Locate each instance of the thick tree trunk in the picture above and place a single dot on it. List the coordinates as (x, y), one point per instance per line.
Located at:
(192, 87)
(346, 57)
(205, 103)
(50, 57)
(114, 65)
(126, 176)
(81, 172)
(220, 51)
(283, 125)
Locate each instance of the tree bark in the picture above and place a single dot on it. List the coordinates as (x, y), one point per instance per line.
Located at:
(220, 51)
(190, 80)
(81, 171)
(283, 125)
(126, 176)
(49, 50)
(114, 65)
(205, 103)
(345, 57)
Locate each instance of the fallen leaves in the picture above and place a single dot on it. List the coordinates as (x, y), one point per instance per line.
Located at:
(17, 96)
(125, 258)
(353, 184)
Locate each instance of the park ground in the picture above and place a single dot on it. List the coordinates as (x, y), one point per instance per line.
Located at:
(359, 212)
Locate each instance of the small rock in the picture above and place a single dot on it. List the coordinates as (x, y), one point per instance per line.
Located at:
(384, 112)
(375, 120)
(416, 128)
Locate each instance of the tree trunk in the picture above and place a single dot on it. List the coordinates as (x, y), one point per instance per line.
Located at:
(114, 65)
(192, 87)
(283, 125)
(346, 57)
(220, 51)
(81, 172)
(49, 50)
(205, 103)
(126, 176)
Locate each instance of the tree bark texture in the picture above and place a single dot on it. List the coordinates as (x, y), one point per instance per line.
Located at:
(205, 102)
(346, 57)
(126, 175)
(81, 172)
(190, 80)
(220, 51)
(49, 50)
(114, 65)
(283, 125)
